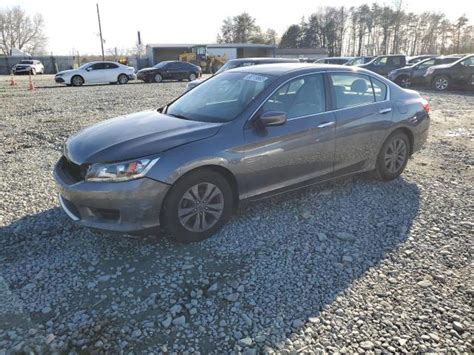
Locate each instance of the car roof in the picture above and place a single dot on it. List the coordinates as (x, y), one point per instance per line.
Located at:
(264, 59)
(284, 68)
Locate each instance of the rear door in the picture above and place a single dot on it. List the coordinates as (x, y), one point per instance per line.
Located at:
(363, 114)
(302, 148)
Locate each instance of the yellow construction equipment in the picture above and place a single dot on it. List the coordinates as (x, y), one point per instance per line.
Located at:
(198, 56)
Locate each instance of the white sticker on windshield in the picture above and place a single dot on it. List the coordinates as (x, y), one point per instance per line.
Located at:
(255, 77)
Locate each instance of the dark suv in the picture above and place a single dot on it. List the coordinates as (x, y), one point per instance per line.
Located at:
(415, 73)
(457, 74)
(384, 64)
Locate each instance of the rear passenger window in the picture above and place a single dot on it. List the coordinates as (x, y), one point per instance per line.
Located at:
(351, 90)
(300, 97)
(380, 90)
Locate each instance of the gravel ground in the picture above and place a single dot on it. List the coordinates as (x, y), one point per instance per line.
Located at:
(354, 265)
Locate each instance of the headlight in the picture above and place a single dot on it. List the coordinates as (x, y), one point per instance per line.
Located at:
(59, 74)
(122, 171)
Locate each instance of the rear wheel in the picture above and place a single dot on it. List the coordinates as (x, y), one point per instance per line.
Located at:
(158, 78)
(197, 206)
(77, 80)
(404, 81)
(122, 79)
(393, 156)
(441, 83)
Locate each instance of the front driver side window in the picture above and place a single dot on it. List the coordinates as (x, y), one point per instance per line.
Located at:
(300, 97)
(468, 62)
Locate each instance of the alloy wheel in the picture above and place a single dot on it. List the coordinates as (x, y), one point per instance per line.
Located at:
(201, 207)
(441, 84)
(395, 155)
(405, 82)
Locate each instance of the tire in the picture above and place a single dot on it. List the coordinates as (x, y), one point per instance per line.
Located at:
(77, 80)
(33, 71)
(440, 83)
(122, 79)
(393, 157)
(192, 77)
(182, 200)
(158, 78)
(404, 81)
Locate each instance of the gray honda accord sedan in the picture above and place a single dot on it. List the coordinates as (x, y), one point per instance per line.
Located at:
(246, 133)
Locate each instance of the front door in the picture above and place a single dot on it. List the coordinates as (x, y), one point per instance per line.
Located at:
(301, 149)
(464, 73)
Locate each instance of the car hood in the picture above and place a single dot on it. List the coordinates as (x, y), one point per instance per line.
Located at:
(66, 71)
(144, 70)
(132, 136)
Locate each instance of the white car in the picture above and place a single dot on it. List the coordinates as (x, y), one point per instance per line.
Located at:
(28, 66)
(96, 73)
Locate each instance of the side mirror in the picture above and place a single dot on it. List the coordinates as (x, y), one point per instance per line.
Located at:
(89, 69)
(273, 118)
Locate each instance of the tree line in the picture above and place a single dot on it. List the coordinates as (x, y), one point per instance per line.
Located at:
(364, 30)
(18, 30)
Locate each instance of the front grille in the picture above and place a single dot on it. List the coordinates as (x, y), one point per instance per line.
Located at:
(74, 172)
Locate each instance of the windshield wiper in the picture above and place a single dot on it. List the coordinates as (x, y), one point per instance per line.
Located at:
(179, 116)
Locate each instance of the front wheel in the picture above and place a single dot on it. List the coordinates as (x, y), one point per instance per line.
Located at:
(77, 80)
(192, 77)
(393, 156)
(197, 206)
(158, 78)
(441, 83)
(122, 79)
(33, 71)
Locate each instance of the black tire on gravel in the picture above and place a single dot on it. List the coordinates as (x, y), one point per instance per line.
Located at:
(175, 204)
(393, 156)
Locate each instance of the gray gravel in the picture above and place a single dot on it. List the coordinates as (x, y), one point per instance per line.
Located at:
(354, 265)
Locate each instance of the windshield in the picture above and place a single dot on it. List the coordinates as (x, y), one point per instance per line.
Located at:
(83, 66)
(228, 66)
(160, 64)
(221, 98)
(26, 62)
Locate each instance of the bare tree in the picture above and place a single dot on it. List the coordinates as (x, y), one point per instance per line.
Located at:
(18, 30)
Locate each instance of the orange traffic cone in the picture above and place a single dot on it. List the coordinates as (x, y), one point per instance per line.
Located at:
(32, 87)
(12, 79)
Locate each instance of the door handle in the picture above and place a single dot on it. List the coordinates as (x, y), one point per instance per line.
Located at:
(385, 110)
(325, 124)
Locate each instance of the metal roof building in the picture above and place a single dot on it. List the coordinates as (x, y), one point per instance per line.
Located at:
(158, 52)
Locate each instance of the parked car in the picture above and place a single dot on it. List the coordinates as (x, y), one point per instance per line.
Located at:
(245, 133)
(415, 74)
(28, 66)
(333, 60)
(169, 70)
(242, 62)
(359, 60)
(419, 58)
(384, 64)
(96, 73)
(458, 74)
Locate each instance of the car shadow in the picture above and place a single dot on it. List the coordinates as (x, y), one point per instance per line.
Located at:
(277, 264)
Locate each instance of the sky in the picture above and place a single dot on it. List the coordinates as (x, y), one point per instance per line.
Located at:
(72, 25)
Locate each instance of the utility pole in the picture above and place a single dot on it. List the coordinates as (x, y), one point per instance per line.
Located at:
(100, 33)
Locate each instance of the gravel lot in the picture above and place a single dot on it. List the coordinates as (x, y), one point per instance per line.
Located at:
(350, 266)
